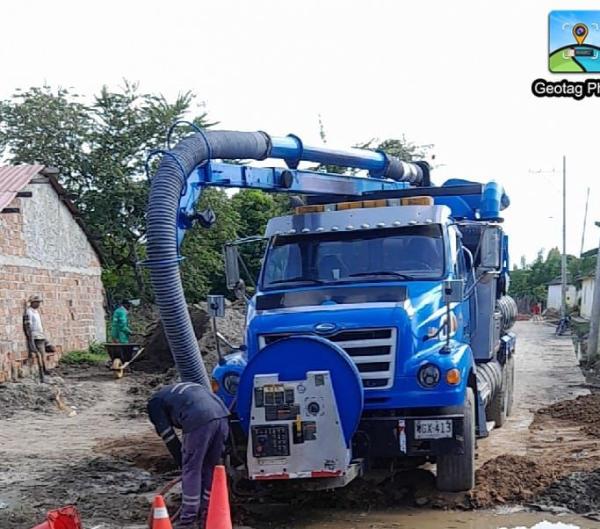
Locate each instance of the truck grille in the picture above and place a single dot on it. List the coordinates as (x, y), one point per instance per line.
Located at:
(373, 352)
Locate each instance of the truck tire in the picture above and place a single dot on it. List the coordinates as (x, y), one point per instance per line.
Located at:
(456, 473)
(511, 386)
(497, 410)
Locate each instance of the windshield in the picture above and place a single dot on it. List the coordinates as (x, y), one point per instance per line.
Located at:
(415, 252)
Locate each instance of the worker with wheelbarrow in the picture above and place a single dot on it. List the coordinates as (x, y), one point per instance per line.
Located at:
(120, 330)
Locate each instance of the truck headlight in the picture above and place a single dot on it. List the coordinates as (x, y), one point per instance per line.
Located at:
(429, 375)
(231, 383)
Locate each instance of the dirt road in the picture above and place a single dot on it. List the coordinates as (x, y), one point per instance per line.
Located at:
(107, 459)
(546, 371)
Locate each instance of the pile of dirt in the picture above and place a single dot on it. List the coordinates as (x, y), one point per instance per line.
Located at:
(57, 395)
(578, 492)
(231, 326)
(511, 479)
(147, 452)
(157, 357)
(584, 410)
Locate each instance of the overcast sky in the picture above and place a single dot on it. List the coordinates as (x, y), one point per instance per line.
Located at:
(454, 74)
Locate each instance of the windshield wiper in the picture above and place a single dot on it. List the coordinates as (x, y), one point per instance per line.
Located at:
(382, 273)
(298, 280)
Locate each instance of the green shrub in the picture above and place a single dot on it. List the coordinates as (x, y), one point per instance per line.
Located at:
(95, 354)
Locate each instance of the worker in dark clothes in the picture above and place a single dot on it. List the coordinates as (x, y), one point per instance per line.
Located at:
(202, 416)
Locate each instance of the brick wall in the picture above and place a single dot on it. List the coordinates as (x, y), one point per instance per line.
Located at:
(12, 240)
(44, 251)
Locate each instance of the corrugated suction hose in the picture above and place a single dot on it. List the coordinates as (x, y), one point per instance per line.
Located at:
(163, 255)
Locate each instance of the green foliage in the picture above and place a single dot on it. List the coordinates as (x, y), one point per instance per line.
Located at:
(254, 209)
(530, 280)
(46, 126)
(202, 270)
(95, 354)
(100, 146)
(100, 149)
(400, 148)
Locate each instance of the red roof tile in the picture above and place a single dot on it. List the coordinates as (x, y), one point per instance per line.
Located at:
(13, 178)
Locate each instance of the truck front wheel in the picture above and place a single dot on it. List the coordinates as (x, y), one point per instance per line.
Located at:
(456, 473)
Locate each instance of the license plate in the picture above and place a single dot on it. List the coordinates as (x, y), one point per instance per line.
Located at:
(433, 428)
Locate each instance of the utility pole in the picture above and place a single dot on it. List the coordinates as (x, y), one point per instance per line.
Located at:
(592, 352)
(587, 201)
(563, 264)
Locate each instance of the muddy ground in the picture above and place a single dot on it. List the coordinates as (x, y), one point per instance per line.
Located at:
(92, 446)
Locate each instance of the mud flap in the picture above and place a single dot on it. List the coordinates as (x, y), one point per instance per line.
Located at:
(481, 428)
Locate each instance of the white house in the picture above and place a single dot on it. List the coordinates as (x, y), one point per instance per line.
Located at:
(555, 294)
(586, 294)
(585, 285)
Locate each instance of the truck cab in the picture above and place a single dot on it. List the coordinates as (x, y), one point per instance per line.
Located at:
(413, 293)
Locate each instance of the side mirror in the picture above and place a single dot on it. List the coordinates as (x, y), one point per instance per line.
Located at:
(491, 245)
(232, 266)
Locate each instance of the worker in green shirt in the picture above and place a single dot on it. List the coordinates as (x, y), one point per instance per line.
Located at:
(120, 330)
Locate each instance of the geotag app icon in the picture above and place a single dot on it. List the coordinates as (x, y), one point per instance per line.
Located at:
(574, 42)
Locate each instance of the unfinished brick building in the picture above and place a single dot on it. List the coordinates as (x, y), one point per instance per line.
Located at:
(45, 249)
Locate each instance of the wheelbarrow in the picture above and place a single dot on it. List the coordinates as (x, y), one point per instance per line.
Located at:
(121, 356)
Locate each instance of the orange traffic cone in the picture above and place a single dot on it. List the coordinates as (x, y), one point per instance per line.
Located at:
(160, 515)
(219, 515)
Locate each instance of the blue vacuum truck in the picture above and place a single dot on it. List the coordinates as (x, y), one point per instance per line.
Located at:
(378, 335)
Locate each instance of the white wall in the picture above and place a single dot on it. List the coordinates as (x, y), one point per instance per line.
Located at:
(53, 237)
(554, 296)
(587, 294)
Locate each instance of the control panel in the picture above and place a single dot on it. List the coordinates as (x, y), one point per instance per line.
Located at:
(270, 441)
(295, 428)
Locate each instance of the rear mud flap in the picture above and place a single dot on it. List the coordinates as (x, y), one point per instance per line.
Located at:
(482, 429)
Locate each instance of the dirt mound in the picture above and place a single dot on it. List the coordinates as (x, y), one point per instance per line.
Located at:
(578, 492)
(55, 396)
(147, 452)
(510, 479)
(157, 356)
(584, 410)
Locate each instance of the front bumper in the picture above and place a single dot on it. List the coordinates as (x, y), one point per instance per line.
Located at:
(395, 436)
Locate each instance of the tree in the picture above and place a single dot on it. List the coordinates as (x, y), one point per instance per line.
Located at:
(100, 149)
(398, 147)
(53, 127)
(530, 280)
(202, 269)
(254, 209)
